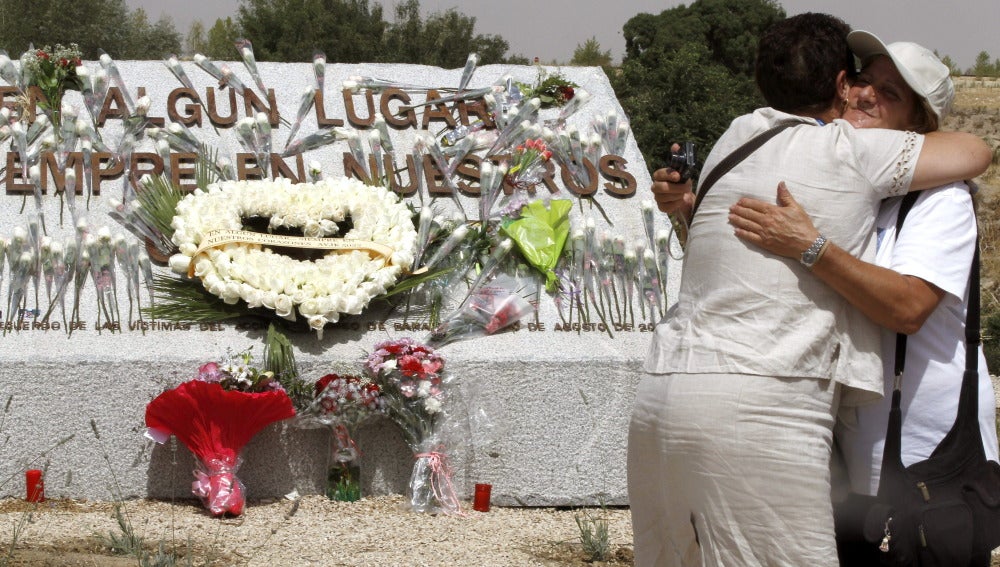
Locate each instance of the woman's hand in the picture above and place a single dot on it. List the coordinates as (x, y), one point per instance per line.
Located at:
(783, 229)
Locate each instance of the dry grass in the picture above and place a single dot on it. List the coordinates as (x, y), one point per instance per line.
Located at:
(977, 110)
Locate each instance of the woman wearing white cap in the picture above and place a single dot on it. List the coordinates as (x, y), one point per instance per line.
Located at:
(918, 285)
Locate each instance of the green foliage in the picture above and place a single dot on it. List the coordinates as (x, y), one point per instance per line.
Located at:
(149, 41)
(444, 39)
(91, 24)
(983, 67)
(590, 55)
(594, 536)
(688, 72)
(222, 36)
(684, 96)
(195, 41)
(354, 31)
(347, 31)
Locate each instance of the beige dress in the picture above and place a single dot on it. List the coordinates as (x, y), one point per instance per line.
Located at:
(744, 317)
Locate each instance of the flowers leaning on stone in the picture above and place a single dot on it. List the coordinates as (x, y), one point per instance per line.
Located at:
(411, 378)
(215, 415)
(342, 281)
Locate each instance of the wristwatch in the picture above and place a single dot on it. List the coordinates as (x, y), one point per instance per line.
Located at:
(812, 253)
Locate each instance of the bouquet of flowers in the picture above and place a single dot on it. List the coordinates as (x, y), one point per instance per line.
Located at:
(53, 71)
(411, 378)
(489, 308)
(551, 88)
(343, 403)
(215, 415)
(528, 164)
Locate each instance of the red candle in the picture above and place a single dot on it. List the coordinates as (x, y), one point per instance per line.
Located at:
(481, 502)
(35, 485)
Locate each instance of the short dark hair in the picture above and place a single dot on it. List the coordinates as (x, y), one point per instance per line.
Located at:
(798, 60)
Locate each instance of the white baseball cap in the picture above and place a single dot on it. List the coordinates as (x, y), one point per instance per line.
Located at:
(919, 67)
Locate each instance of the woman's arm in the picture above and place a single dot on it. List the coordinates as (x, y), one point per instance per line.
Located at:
(950, 156)
(892, 300)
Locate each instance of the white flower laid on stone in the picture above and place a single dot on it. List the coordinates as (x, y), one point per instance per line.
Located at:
(345, 280)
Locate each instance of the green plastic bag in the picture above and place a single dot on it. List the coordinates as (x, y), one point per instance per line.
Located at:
(540, 235)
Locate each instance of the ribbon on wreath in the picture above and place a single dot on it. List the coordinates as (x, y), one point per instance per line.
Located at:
(441, 474)
(219, 238)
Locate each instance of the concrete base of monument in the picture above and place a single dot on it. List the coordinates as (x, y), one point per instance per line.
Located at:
(541, 415)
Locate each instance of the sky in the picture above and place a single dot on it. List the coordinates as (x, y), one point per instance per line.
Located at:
(552, 29)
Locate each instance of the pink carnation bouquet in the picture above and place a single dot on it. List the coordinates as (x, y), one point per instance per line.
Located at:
(410, 376)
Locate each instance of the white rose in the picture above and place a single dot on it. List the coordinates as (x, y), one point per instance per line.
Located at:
(179, 263)
(269, 299)
(317, 322)
(203, 266)
(283, 306)
(231, 293)
(253, 296)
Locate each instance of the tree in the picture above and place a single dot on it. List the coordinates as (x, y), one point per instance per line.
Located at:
(347, 31)
(196, 41)
(445, 39)
(91, 24)
(983, 67)
(222, 40)
(146, 41)
(590, 55)
(688, 72)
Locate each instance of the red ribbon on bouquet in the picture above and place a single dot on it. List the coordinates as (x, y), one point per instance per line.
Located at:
(441, 473)
(218, 488)
(215, 424)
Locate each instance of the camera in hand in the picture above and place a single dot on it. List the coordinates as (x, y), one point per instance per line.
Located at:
(683, 161)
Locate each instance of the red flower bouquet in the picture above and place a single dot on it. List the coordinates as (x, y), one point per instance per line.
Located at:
(215, 415)
(342, 403)
(411, 378)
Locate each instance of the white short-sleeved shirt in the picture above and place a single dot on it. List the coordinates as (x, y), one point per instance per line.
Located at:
(936, 244)
(745, 311)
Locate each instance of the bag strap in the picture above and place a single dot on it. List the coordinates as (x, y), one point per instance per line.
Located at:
(733, 159)
(904, 209)
(967, 419)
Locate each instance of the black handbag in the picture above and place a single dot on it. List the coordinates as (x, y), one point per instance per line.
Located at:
(945, 510)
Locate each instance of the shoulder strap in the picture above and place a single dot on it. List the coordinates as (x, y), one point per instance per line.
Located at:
(966, 426)
(904, 209)
(738, 155)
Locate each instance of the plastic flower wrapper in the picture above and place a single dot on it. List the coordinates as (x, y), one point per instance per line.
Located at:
(411, 378)
(528, 164)
(53, 71)
(215, 416)
(489, 309)
(245, 48)
(111, 68)
(319, 69)
(342, 403)
(540, 234)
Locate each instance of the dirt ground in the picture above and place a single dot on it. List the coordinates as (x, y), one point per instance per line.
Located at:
(376, 531)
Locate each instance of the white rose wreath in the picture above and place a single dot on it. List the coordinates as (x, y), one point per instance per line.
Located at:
(342, 281)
